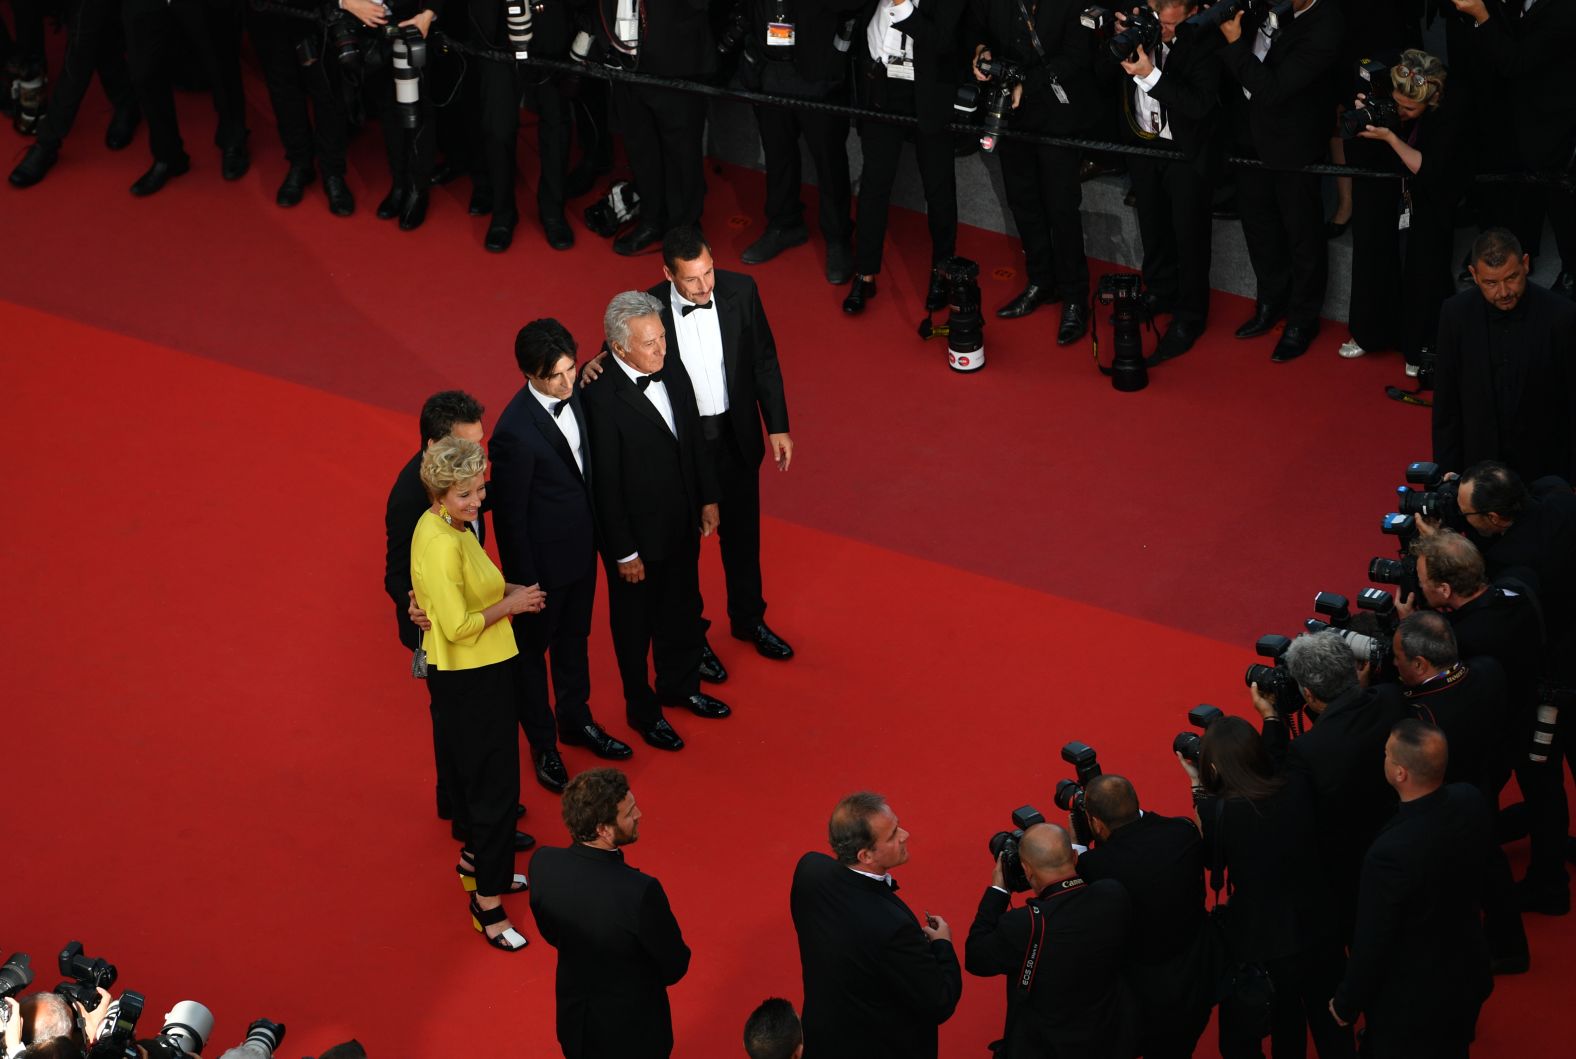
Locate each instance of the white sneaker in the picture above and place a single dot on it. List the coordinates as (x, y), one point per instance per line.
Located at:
(1350, 349)
(1411, 371)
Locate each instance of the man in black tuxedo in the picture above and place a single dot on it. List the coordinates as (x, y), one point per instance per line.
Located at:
(1058, 97)
(877, 981)
(1419, 970)
(541, 504)
(655, 494)
(1074, 1002)
(1173, 959)
(1172, 101)
(716, 324)
(1504, 388)
(619, 947)
(1284, 114)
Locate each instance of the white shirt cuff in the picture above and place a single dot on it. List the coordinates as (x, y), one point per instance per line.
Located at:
(1149, 81)
(632, 556)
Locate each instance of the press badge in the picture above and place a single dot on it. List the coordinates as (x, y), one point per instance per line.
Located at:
(628, 29)
(900, 68)
(779, 34)
(1404, 222)
(1060, 93)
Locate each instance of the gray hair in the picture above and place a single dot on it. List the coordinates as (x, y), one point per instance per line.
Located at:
(1322, 663)
(627, 306)
(1426, 634)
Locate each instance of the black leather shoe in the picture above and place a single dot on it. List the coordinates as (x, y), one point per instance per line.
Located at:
(662, 736)
(550, 771)
(1550, 900)
(414, 213)
(341, 203)
(711, 670)
(839, 263)
(234, 162)
(1335, 229)
(703, 705)
(1263, 320)
(767, 643)
(559, 235)
(641, 238)
(122, 128)
(1032, 298)
(522, 841)
(159, 174)
(294, 186)
(1075, 323)
(772, 242)
(860, 292)
(481, 202)
(1294, 342)
(443, 173)
(1177, 340)
(597, 741)
(938, 293)
(393, 203)
(38, 161)
(499, 235)
(1156, 305)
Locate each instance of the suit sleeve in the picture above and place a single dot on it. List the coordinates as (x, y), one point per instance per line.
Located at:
(1196, 93)
(1301, 71)
(397, 525)
(618, 534)
(513, 467)
(768, 372)
(935, 24)
(1448, 452)
(925, 973)
(660, 935)
(992, 947)
(1276, 740)
(1381, 897)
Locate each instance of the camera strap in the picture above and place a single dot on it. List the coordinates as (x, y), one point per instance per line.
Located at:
(1031, 954)
(1039, 50)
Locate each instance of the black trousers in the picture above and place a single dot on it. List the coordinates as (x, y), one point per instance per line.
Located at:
(554, 119)
(556, 636)
(497, 131)
(298, 94)
(473, 716)
(451, 805)
(1044, 192)
(663, 134)
(27, 47)
(882, 145)
(1304, 984)
(95, 43)
(1411, 271)
(1547, 812)
(214, 31)
(1283, 223)
(825, 137)
(409, 151)
(1533, 202)
(660, 617)
(739, 532)
(1176, 227)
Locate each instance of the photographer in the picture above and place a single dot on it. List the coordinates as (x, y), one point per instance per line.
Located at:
(1272, 901)
(1068, 942)
(1283, 119)
(1055, 95)
(494, 124)
(1173, 962)
(1403, 232)
(51, 1024)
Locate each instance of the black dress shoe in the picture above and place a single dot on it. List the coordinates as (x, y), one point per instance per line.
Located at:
(1032, 298)
(550, 771)
(711, 670)
(38, 160)
(1263, 320)
(1335, 229)
(159, 174)
(1546, 900)
(522, 841)
(393, 203)
(839, 263)
(662, 736)
(234, 162)
(414, 213)
(499, 235)
(1294, 342)
(1177, 340)
(341, 203)
(1075, 323)
(122, 128)
(1156, 305)
(481, 202)
(939, 291)
(774, 241)
(641, 238)
(703, 705)
(860, 292)
(597, 741)
(559, 235)
(294, 186)
(767, 643)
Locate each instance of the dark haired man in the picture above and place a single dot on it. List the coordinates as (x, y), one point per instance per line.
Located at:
(541, 503)
(1504, 388)
(619, 946)
(877, 980)
(773, 1031)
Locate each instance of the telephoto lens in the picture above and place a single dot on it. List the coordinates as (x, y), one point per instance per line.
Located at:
(517, 20)
(189, 1024)
(16, 974)
(407, 86)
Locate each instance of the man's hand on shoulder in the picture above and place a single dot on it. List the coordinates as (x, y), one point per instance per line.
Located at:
(593, 368)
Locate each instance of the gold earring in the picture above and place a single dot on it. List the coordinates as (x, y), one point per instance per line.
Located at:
(443, 513)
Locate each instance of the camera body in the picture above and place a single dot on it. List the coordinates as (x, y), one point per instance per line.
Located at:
(1434, 496)
(1336, 616)
(1274, 11)
(1380, 113)
(85, 975)
(1069, 796)
(1004, 75)
(1004, 846)
(16, 974)
(1188, 744)
(1275, 681)
(1142, 29)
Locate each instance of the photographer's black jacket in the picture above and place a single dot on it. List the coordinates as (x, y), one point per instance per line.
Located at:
(1506, 625)
(1069, 61)
(1292, 113)
(1540, 549)
(675, 36)
(816, 23)
(1189, 88)
(939, 61)
(1472, 710)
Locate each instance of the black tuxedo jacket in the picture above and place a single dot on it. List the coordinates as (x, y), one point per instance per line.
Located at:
(1505, 625)
(1531, 51)
(939, 62)
(407, 500)
(874, 986)
(816, 24)
(1189, 88)
(619, 948)
(1069, 61)
(1291, 114)
(675, 36)
(1472, 711)
(541, 502)
(749, 359)
(1538, 436)
(1419, 967)
(1077, 1005)
(647, 486)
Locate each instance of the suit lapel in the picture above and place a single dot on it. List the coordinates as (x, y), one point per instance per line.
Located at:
(554, 437)
(630, 394)
(730, 323)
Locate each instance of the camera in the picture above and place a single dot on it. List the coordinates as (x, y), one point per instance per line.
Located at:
(409, 56)
(1337, 617)
(1275, 681)
(1124, 292)
(119, 1027)
(1380, 113)
(1003, 76)
(1401, 526)
(1225, 10)
(187, 1026)
(1141, 31)
(731, 34)
(517, 23)
(1187, 743)
(342, 39)
(16, 974)
(267, 1033)
(1004, 846)
(1069, 796)
(1402, 573)
(612, 211)
(1436, 499)
(86, 974)
(965, 328)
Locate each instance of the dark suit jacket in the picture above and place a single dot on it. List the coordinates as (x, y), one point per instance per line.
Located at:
(749, 359)
(1505, 625)
(1539, 437)
(1291, 114)
(619, 948)
(1530, 51)
(1419, 968)
(1189, 88)
(1540, 549)
(647, 486)
(816, 24)
(1077, 1006)
(1471, 709)
(874, 986)
(1069, 60)
(676, 38)
(540, 501)
(407, 500)
(939, 62)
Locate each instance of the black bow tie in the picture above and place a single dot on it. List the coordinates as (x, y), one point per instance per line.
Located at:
(686, 310)
(647, 380)
(558, 406)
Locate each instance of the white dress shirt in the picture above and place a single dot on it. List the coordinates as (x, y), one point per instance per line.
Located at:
(887, 878)
(1147, 110)
(885, 42)
(567, 426)
(1262, 40)
(699, 337)
(657, 393)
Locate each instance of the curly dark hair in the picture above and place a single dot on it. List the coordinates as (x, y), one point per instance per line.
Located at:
(442, 410)
(591, 800)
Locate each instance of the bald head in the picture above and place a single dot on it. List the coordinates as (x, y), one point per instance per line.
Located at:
(1046, 848)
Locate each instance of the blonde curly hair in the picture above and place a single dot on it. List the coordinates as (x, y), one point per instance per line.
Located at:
(450, 461)
(1420, 77)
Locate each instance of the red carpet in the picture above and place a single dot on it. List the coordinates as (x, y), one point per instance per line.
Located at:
(215, 727)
